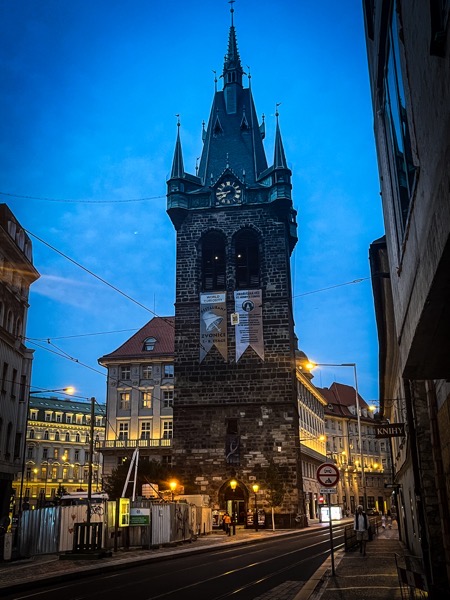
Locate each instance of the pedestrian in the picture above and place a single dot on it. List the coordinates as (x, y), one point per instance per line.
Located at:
(361, 526)
(227, 522)
(383, 521)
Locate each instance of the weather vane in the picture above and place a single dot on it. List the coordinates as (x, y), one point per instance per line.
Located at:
(231, 10)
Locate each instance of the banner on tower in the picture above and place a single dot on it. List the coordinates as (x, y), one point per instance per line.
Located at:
(213, 324)
(249, 330)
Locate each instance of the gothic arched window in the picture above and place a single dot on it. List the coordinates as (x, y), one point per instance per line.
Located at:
(213, 262)
(246, 258)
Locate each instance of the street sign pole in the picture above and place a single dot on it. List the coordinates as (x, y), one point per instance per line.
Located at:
(331, 535)
(328, 476)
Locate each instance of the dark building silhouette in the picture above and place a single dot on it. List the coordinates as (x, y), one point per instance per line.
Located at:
(235, 399)
(409, 65)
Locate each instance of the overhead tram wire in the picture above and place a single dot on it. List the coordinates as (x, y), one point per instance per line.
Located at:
(78, 201)
(116, 289)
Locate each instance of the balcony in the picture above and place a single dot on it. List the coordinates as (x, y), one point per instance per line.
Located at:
(132, 444)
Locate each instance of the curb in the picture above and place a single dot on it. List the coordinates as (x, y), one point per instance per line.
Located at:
(315, 584)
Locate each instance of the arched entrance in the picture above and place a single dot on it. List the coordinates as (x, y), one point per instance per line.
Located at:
(234, 499)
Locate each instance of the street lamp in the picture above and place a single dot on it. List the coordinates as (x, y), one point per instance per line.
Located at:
(67, 390)
(310, 366)
(255, 488)
(173, 486)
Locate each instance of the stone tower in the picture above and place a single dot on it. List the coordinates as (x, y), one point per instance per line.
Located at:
(235, 407)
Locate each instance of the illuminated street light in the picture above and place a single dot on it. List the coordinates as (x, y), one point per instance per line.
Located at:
(255, 488)
(173, 486)
(310, 366)
(67, 390)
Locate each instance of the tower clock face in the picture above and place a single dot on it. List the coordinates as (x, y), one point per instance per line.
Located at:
(228, 192)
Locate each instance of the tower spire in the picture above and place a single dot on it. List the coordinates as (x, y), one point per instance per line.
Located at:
(279, 157)
(177, 165)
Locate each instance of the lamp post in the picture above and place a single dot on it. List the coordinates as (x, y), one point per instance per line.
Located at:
(358, 417)
(255, 488)
(173, 487)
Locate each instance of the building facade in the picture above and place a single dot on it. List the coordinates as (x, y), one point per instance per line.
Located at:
(373, 489)
(17, 273)
(58, 448)
(139, 396)
(236, 390)
(409, 64)
(312, 438)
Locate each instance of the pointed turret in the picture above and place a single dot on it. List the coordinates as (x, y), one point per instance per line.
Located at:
(279, 158)
(177, 165)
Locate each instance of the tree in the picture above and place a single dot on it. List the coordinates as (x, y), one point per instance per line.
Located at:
(275, 488)
(61, 491)
(149, 471)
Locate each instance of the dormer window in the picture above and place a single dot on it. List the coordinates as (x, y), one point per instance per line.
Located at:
(149, 344)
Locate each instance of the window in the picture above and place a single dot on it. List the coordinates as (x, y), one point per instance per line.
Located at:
(46, 437)
(167, 430)
(77, 438)
(30, 451)
(48, 416)
(397, 127)
(33, 414)
(124, 403)
(149, 344)
(55, 452)
(45, 453)
(67, 436)
(125, 372)
(59, 418)
(123, 431)
(79, 419)
(213, 262)
(146, 428)
(146, 399)
(247, 260)
(168, 398)
(31, 434)
(13, 384)
(168, 371)
(69, 418)
(147, 372)
(4, 376)
(77, 455)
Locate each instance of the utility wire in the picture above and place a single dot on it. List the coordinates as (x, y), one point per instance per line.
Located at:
(73, 201)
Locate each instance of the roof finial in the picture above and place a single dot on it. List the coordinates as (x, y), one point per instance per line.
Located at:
(178, 120)
(196, 164)
(249, 77)
(215, 80)
(276, 109)
(231, 10)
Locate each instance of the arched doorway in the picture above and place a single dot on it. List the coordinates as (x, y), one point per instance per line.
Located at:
(234, 499)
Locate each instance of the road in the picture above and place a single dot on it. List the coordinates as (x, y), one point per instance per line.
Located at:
(241, 573)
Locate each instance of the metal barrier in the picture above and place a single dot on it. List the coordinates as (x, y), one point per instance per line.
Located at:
(413, 585)
(87, 537)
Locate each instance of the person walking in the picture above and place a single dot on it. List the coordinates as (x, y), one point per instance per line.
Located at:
(227, 523)
(361, 526)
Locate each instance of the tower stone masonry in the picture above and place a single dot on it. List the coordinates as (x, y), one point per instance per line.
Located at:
(235, 402)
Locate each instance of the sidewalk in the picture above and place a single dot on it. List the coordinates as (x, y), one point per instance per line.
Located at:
(357, 577)
(373, 577)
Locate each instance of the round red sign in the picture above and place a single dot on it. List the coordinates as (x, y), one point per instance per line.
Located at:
(327, 474)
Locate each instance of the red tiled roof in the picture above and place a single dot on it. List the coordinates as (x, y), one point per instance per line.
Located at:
(341, 396)
(160, 328)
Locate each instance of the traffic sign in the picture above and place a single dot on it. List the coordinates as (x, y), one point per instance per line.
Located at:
(328, 475)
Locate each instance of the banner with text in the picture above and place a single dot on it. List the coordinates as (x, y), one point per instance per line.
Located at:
(213, 324)
(249, 330)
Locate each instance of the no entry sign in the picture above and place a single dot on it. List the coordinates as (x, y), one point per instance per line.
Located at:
(327, 475)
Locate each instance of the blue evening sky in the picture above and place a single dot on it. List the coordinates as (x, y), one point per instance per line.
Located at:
(90, 90)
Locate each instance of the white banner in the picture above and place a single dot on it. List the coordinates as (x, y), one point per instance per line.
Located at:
(213, 324)
(249, 330)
